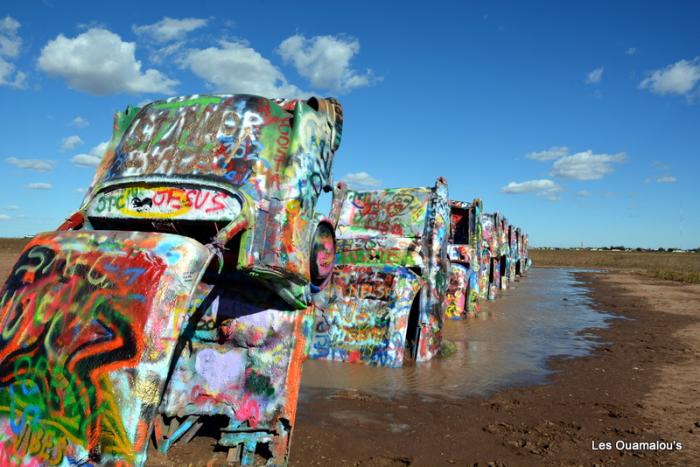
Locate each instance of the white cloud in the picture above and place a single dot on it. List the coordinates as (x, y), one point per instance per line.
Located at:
(10, 42)
(40, 186)
(666, 179)
(595, 76)
(100, 63)
(164, 53)
(11, 207)
(71, 142)
(233, 67)
(677, 78)
(91, 159)
(169, 29)
(583, 193)
(5, 217)
(40, 165)
(631, 51)
(360, 180)
(555, 152)
(586, 165)
(80, 122)
(543, 187)
(80, 190)
(325, 61)
(10, 45)
(6, 71)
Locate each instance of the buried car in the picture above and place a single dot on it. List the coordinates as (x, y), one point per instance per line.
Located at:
(491, 223)
(178, 294)
(386, 295)
(466, 252)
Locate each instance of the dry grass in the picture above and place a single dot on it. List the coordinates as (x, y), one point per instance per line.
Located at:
(12, 245)
(683, 267)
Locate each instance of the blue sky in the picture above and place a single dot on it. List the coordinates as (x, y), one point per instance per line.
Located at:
(580, 121)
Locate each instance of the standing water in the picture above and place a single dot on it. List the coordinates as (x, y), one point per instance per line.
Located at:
(544, 315)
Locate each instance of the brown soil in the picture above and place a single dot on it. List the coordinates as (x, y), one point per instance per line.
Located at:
(642, 385)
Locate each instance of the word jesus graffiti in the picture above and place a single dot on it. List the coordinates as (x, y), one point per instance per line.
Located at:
(165, 203)
(75, 325)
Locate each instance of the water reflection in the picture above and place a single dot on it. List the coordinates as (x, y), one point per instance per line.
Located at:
(509, 344)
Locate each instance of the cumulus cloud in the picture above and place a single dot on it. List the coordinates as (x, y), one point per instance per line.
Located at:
(360, 180)
(583, 193)
(79, 122)
(586, 165)
(10, 42)
(631, 51)
(39, 186)
(666, 179)
(169, 29)
(543, 187)
(7, 70)
(40, 165)
(10, 45)
(325, 61)
(99, 62)
(234, 67)
(71, 142)
(595, 76)
(11, 207)
(92, 158)
(5, 217)
(555, 152)
(678, 78)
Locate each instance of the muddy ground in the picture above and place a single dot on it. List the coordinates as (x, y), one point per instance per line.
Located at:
(641, 385)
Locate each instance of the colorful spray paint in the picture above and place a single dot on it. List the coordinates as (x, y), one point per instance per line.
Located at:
(491, 224)
(469, 260)
(182, 291)
(390, 278)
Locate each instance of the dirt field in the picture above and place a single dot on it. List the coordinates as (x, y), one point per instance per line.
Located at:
(642, 385)
(683, 267)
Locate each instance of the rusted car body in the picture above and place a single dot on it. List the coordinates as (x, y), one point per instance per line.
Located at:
(469, 260)
(179, 293)
(387, 290)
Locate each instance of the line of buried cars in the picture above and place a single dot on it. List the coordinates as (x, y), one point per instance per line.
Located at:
(196, 277)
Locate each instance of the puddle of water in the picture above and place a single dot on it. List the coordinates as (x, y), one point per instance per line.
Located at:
(509, 344)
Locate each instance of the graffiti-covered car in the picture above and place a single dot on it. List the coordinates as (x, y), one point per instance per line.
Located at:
(524, 253)
(387, 290)
(491, 223)
(469, 260)
(523, 261)
(177, 295)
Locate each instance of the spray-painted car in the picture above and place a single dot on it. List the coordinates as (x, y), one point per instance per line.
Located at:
(504, 253)
(522, 261)
(388, 286)
(491, 223)
(524, 253)
(468, 272)
(176, 296)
